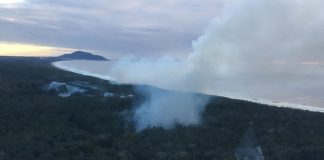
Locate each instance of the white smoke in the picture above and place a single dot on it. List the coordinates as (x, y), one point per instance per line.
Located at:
(271, 49)
(263, 48)
(161, 108)
(254, 48)
(165, 108)
(252, 35)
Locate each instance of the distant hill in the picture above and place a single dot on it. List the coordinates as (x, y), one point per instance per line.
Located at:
(80, 55)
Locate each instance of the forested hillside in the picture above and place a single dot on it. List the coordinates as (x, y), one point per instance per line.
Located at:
(37, 124)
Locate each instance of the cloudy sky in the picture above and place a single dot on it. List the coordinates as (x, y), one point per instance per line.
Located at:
(114, 27)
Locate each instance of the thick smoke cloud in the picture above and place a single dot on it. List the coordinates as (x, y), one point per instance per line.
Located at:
(269, 49)
(252, 36)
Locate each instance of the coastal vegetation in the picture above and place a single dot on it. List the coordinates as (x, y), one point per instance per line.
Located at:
(37, 124)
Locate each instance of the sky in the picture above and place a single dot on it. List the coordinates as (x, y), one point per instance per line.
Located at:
(111, 28)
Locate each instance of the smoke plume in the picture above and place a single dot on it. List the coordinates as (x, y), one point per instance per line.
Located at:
(161, 108)
(269, 49)
(254, 48)
(166, 108)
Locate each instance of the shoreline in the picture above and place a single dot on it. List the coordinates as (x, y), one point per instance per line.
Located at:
(254, 100)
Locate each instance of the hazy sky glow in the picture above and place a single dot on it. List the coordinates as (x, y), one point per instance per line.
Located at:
(11, 2)
(16, 49)
(114, 27)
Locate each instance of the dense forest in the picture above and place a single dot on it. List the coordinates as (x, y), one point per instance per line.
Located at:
(37, 124)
